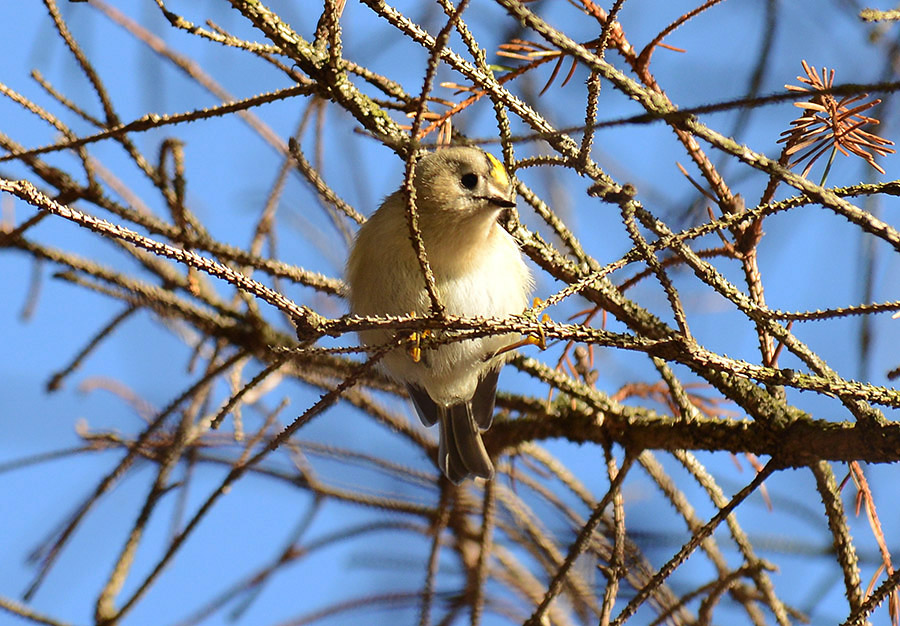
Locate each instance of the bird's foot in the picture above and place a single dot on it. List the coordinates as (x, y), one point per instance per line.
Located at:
(414, 341)
(538, 339)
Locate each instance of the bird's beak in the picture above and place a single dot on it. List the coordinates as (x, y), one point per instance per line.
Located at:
(502, 194)
(501, 201)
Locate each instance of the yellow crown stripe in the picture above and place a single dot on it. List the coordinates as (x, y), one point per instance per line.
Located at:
(498, 172)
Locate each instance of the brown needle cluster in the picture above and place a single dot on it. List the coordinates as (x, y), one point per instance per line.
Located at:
(535, 52)
(831, 123)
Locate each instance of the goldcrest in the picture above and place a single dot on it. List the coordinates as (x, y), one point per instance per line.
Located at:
(478, 271)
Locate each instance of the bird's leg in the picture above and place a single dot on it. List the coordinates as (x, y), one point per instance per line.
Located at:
(539, 340)
(414, 340)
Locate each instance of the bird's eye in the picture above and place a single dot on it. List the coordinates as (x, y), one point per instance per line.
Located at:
(469, 181)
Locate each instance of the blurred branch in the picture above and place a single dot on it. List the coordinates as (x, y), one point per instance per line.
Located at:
(547, 538)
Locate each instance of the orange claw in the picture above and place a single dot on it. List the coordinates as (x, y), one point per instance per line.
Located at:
(529, 340)
(415, 338)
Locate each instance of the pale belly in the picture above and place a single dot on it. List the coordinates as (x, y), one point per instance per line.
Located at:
(497, 287)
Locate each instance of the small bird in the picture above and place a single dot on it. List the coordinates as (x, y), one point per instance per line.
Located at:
(478, 271)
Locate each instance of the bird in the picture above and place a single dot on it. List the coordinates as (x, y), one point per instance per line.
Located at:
(478, 270)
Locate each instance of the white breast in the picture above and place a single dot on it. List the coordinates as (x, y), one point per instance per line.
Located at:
(493, 281)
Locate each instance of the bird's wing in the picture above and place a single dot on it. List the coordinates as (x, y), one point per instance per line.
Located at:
(483, 400)
(426, 408)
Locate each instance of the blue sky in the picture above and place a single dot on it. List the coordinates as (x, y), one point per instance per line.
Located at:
(809, 259)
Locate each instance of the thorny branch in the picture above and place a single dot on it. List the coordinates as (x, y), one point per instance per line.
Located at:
(528, 545)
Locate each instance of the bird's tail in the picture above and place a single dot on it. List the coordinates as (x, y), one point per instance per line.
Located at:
(462, 452)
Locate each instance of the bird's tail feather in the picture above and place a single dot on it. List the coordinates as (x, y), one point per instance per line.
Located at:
(462, 452)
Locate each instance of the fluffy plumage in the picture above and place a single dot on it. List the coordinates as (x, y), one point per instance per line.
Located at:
(478, 271)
